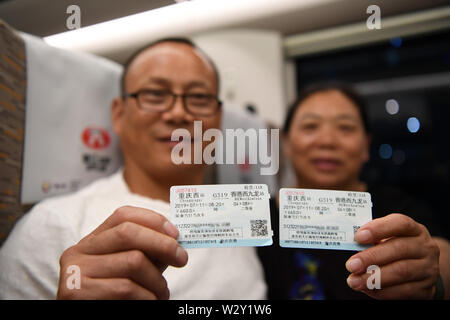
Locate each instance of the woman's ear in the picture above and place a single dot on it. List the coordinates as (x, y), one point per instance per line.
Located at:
(117, 114)
(287, 149)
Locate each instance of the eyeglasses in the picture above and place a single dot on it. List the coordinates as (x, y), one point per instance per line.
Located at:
(197, 104)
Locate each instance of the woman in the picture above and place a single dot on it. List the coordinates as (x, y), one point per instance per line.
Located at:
(327, 139)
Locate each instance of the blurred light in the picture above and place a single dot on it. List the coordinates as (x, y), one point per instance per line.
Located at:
(413, 124)
(385, 151)
(392, 106)
(396, 42)
(398, 157)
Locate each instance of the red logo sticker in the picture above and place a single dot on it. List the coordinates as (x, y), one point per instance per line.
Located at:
(96, 138)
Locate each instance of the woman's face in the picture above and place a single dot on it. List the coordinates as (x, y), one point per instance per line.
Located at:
(326, 142)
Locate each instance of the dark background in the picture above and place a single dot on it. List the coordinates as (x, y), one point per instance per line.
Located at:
(416, 73)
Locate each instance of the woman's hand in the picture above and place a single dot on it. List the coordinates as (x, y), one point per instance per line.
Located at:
(406, 254)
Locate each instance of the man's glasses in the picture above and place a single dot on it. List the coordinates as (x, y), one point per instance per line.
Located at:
(197, 104)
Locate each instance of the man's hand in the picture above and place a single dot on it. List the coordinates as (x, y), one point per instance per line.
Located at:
(406, 254)
(124, 258)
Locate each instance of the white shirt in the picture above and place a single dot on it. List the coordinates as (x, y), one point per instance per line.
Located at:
(29, 259)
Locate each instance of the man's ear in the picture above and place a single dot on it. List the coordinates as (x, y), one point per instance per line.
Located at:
(117, 114)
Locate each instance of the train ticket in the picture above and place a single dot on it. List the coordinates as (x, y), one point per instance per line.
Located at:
(322, 219)
(225, 215)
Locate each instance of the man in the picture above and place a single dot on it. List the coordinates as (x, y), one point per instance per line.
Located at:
(116, 232)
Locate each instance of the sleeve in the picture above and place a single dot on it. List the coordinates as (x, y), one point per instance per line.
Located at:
(29, 259)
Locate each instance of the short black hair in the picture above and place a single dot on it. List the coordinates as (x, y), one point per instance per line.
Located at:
(134, 55)
(344, 88)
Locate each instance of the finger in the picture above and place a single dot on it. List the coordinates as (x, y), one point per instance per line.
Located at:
(161, 266)
(107, 289)
(386, 252)
(130, 236)
(411, 290)
(141, 216)
(393, 225)
(132, 265)
(395, 274)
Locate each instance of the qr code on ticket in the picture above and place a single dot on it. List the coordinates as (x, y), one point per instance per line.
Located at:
(259, 228)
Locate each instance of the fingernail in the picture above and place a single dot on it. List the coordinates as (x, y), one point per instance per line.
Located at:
(354, 282)
(170, 229)
(363, 236)
(181, 255)
(354, 265)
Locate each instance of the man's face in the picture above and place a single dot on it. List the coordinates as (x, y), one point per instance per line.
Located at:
(326, 142)
(145, 136)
